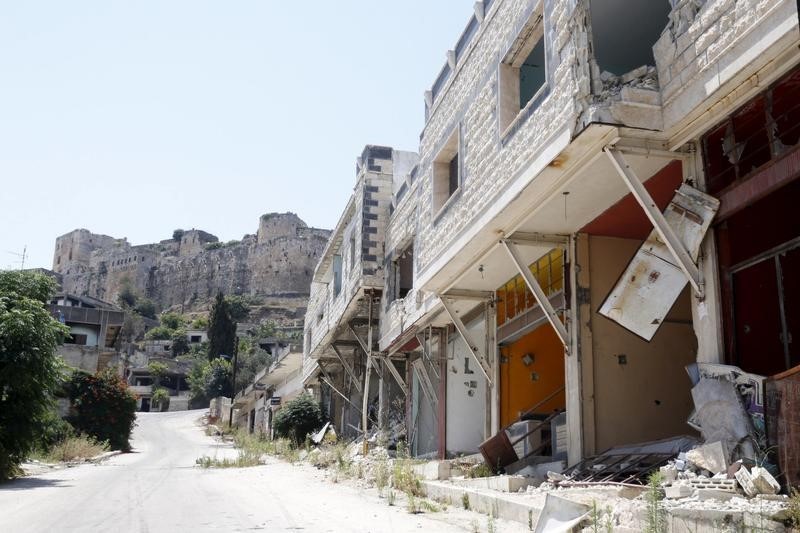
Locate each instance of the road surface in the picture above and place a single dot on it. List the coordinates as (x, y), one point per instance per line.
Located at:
(158, 488)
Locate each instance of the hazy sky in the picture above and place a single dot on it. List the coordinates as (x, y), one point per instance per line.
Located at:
(135, 118)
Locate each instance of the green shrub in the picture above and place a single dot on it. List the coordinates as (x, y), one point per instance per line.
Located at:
(75, 448)
(145, 307)
(213, 245)
(298, 418)
(158, 333)
(160, 399)
(104, 407)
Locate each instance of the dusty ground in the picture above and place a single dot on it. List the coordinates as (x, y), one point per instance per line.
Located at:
(159, 488)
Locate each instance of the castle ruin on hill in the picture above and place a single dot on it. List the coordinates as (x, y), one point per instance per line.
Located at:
(273, 267)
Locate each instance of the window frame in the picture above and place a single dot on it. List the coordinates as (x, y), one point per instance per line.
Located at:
(533, 32)
(441, 166)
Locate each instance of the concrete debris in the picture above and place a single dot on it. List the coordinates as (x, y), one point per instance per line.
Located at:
(712, 457)
(721, 416)
(678, 491)
(644, 77)
(728, 485)
(714, 494)
(757, 481)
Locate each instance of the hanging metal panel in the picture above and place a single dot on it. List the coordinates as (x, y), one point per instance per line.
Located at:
(652, 281)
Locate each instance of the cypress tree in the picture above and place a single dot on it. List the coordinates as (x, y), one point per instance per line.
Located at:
(221, 329)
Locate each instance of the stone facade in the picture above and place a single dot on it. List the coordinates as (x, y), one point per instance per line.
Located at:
(186, 272)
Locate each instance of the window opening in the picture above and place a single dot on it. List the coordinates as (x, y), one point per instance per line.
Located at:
(446, 171)
(523, 72)
(404, 270)
(337, 275)
(624, 32)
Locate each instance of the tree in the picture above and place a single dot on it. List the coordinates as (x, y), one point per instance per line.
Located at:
(29, 367)
(209, 379)
(145, 307)
(171, 320)
(177, 234)
(238, 307)
(221, 329)
(298, 418)
(104, 407)
(180, 345)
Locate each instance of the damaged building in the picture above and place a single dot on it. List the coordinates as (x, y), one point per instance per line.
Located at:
(598, 223)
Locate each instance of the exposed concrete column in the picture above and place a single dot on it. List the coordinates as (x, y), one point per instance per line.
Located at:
(581, 313)
(572, 360)
(706, 311)
(493, 395)
(367, 374)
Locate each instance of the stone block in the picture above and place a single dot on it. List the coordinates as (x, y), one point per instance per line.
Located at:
(433, 470)
(712, 457)
(674, 492)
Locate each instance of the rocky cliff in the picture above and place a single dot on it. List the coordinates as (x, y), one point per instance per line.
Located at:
(273, 267)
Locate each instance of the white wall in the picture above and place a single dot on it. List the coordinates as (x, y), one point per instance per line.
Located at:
(466, 414)
(91, 334)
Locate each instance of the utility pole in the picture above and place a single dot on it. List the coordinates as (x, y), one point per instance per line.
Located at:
(23, 255)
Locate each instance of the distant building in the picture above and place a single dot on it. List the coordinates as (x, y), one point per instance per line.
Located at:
(94, 326)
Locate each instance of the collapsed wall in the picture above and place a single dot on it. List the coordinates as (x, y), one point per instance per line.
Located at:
(187, 271)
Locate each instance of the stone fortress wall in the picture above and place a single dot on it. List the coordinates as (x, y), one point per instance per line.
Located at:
(186, 272)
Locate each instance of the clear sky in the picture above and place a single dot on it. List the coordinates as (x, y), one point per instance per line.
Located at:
(134, 118)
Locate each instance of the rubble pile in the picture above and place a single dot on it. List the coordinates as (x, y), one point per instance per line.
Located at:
(644, 77)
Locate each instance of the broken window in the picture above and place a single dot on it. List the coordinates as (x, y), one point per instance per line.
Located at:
(515, 298)
(522, 74)
(446, 171)
(337, 275)
(763, 129)
(404, 271)
(77, 338)
(624, 32)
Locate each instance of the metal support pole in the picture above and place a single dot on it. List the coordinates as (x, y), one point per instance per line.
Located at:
(473, 347)
(538, 293)
(664, 230)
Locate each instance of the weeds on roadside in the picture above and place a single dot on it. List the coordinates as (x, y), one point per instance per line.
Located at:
(73, 448)
(390, 497)
(465, 501)
(244, 459)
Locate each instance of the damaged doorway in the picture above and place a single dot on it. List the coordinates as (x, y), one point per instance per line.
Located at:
(531, 353)
(760, 264)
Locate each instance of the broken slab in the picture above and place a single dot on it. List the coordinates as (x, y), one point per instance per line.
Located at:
(560, 515)
(712, 457)
(721, 415)
(757, 481)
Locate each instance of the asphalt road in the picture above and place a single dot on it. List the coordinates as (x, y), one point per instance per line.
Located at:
(158, 488)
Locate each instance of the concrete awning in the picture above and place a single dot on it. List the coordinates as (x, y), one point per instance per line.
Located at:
(576, 185)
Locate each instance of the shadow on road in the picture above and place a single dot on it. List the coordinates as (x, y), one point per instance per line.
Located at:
(28, 483)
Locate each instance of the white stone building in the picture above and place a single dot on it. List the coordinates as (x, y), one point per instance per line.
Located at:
(556, 135)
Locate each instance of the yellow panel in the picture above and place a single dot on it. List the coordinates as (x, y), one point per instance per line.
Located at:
(518, 390)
